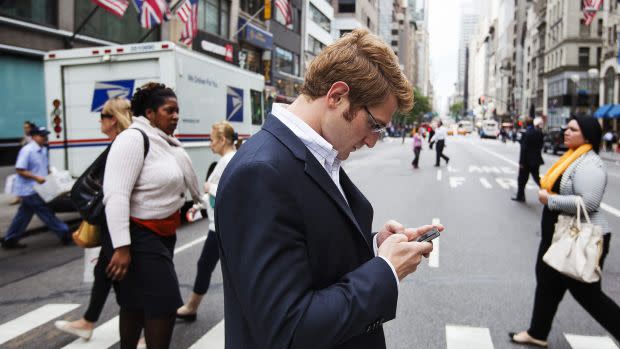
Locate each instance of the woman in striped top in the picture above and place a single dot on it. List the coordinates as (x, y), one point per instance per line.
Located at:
(584, 175)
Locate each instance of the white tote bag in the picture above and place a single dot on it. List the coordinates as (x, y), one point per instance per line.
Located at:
(576, 247)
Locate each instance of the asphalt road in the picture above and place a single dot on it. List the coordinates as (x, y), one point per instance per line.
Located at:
(478, 287)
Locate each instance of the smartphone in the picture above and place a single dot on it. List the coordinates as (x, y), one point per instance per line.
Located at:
(433, 233)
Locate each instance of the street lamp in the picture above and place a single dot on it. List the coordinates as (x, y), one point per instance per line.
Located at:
(575, 79)
(593, 74)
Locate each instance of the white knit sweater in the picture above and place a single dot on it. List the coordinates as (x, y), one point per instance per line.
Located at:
(146, 188)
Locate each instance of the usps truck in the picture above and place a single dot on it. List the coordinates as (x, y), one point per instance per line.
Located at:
(79, 81)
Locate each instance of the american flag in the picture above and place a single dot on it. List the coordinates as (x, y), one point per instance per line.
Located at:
(589, 10)
(188, 14)
(284, 6)
(152, 12)
(115, 7)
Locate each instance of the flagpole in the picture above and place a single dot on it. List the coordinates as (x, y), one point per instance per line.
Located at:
(174, 8)
(69, 42)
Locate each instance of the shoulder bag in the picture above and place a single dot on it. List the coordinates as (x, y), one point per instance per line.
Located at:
(576, 247)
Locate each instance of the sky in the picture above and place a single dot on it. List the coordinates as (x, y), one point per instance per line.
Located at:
(443, 28)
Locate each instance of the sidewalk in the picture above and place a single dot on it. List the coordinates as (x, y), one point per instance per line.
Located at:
(7, 212)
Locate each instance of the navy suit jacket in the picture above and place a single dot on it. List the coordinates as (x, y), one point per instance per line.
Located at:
(531, 148)
(297, 260)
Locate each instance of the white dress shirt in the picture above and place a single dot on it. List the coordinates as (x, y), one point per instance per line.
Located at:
(440, 134)
(325, 154)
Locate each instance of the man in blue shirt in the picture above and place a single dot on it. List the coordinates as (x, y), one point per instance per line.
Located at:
(32, 167)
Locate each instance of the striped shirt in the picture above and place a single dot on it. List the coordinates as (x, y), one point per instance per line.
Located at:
(585, 177)
(322, 150)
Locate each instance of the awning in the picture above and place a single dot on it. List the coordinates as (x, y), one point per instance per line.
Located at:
(613, 112)
(602, 111)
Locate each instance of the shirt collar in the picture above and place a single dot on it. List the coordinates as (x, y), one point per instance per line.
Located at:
(306, 133)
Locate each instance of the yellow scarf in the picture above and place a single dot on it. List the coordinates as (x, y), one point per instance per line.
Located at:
(552, 175)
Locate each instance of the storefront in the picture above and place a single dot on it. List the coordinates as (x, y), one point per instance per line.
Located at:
(255, 46)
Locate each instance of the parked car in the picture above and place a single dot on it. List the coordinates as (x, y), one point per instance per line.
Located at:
(554, 141)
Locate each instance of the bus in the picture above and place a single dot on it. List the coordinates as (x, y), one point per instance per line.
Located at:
(489, 129)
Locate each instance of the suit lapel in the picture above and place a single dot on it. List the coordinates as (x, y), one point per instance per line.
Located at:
(361, 208)
(313, 169)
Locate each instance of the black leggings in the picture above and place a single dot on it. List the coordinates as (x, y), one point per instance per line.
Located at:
(99, 292)
(206, 263)
(157, 331)
(551, 286)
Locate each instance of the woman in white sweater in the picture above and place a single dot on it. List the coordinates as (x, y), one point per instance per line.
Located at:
(142, 195)
(223, 138)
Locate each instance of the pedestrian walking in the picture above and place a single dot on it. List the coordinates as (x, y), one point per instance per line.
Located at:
(115, 117)
(580, 172)
(296, 248)
(223, 138)
(32, 167)
(142, 197)
(440, 138)
(417, 148)
(609, 140)
(530, 156)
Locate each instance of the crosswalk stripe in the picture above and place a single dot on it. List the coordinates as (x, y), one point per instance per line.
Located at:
(33, 319)
(590, 342)
(214, 339)
(464, 337)
(433, 258)
(104, 336)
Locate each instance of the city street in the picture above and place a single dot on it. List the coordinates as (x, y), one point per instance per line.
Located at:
(477, 285)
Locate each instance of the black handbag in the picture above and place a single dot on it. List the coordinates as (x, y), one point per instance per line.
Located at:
(87, 192)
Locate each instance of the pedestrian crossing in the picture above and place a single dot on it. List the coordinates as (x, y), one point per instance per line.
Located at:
(106, 334)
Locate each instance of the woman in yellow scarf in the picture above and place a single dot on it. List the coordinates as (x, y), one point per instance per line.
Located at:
(579, 172)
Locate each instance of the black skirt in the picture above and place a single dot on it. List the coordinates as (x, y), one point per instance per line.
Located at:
(151, 282)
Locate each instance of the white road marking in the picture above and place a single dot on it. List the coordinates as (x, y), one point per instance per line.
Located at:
(439, 175)
(507, 169)
(189, 244)
(214, 339)
(433, 258)
(464, 337)
(451, 169)
(507, 183)
(456, 181)
(485, 183)
(590, 342)
(104, 336)
(33, 319)
(612, 210)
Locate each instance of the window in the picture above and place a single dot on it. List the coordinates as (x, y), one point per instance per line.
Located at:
(394, 43)
(342, 32)
(346, 6)
(104, 26)
(257, 109)
(37, 11)
(213, 16)
(599, 32)
(584, 30)
(319, 18)
(314, 45)
(286, 61)
(394, 31)
(584, 56)
(368, 22)
(251, 6)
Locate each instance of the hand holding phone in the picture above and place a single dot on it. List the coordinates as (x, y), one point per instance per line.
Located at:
(430, 235)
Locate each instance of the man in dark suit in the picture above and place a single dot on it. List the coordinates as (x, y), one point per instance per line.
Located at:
(301, 267)
(530, 157)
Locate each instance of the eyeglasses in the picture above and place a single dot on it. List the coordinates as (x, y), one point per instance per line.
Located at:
(375, 126)
(106, 116)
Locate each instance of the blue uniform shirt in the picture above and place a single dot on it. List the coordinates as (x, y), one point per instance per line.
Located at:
(32, 157)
